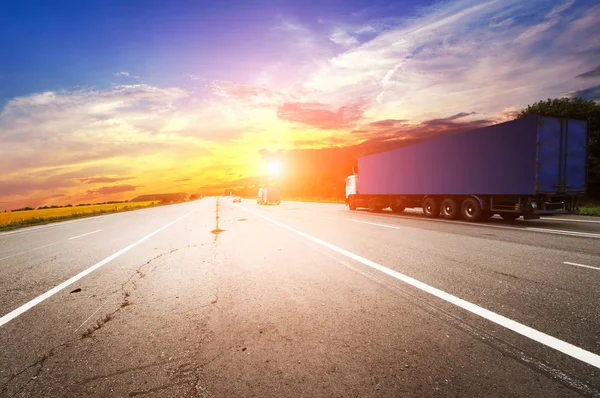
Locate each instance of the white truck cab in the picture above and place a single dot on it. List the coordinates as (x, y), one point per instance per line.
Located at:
(351, 185)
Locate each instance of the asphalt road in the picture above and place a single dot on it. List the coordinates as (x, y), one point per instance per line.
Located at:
(301, 299)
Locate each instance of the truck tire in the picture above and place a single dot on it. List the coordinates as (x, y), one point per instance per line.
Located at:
(352, 204)
(431, 208)
(449, 209)
(509, 216)
(471, 211)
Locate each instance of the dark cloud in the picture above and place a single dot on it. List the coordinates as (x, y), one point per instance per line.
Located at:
(111, 190)
(183, 180)
(399, 131)
(320, 116)
(591, 93)
(26, 186)
(589, 74)
(387, 123)
(95, 180)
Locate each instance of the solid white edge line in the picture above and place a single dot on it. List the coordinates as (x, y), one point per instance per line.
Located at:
(526, 229)
(569, 220)
(563, 232)
(581, 265)
(80, 236)
(566, 348)
(27, 306)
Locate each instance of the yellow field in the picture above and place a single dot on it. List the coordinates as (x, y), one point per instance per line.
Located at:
(66, 212)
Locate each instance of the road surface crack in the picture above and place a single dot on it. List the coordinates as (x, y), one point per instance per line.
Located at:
(40, 363)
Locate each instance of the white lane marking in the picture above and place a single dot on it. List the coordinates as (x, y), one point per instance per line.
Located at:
(566, 348)
(374, 223)
(530, 229)
(569, 219)
(27, 306)
(581, 265)
(562, 232)
(27, 251)
(89, 233)
(55, 224)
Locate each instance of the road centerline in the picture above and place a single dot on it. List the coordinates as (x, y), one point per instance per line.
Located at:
(28, 251)
(32, 303)
(569, 349)
(82, 235)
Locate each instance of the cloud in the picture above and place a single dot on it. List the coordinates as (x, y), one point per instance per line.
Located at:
(111, 190)
(455, 56)
(590, 74)
(260, 96)
(125, 74)
(321, 116)
(390, 130)
(96, 180)
(343, 38)
(183, 180)
(590, 93)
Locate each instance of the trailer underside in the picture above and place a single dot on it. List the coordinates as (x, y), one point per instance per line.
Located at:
(469, 207)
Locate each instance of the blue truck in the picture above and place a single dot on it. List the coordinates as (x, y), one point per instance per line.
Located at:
(525, 167)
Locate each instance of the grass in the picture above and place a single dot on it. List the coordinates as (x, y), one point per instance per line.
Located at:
(590, 209)
(20, 219)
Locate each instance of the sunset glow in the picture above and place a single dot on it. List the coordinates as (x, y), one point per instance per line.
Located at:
(199, 98)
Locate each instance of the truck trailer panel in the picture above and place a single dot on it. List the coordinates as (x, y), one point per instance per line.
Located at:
(521, 157)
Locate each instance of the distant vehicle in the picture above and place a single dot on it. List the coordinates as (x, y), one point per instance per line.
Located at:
(526, 167)
(268, 196)
(237, 199)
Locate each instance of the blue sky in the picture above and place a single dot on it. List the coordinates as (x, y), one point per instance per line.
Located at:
(105, 100)
(61, 44)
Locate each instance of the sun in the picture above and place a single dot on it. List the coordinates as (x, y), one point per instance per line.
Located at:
(273, 168)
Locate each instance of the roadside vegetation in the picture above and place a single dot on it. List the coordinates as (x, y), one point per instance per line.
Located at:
(590, 209)
(28, 217)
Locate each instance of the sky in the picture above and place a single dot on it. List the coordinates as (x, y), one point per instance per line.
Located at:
(108, 100)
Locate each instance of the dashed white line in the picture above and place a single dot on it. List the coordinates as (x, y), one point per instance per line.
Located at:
(89, 233)
(581, 265)
(566, 348)
(27, 251)
(29, 305)
(562, 232)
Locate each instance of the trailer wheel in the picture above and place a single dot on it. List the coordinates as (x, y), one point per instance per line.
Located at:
(431, 208)
(510, 216)
(471, 211)
(352, 204)
(449, 209)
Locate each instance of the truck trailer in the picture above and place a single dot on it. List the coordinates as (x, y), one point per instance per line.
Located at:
(525, 167)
